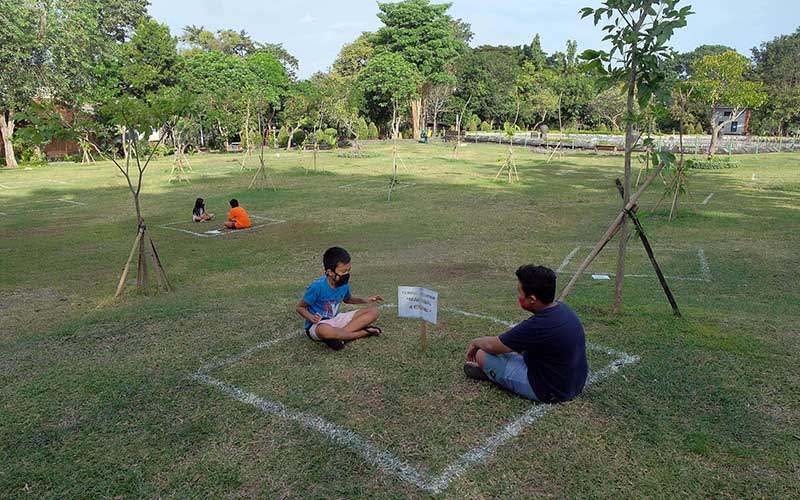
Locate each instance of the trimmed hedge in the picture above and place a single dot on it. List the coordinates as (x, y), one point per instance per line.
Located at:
(715, 163)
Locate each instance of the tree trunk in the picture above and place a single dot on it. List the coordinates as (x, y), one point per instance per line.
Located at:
(416, 117)
(7, 131)
(291, 136)
(623, 233)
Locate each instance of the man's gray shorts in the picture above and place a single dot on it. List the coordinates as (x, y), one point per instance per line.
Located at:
(510, 372)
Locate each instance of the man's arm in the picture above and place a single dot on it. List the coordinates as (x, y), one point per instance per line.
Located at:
(491, 345)
(302, 310)
(359, 300)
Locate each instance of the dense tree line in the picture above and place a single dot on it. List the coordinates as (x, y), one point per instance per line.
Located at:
(416, 71)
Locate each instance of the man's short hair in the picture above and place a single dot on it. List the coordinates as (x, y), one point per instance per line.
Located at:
(539, 281)
(234, 203)
(335, 256)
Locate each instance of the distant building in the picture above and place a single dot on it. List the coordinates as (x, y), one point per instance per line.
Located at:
(738, 126)
(57, 148)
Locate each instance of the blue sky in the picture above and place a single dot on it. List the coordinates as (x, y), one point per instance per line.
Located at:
(315, 30)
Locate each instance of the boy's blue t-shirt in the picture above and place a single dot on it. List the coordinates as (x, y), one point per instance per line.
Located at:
(324, 300)
(553, 345)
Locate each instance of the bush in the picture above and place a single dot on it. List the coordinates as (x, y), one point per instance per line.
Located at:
(485, 127)
(355, 154)
(473, 123)
(283, 137)
(33, 156)
(361, 128)
(715, 163)
(298, 138)
(698, 129)
(373, 131)
(602, 128)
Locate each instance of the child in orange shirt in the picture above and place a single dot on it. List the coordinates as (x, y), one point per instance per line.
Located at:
(237, 218)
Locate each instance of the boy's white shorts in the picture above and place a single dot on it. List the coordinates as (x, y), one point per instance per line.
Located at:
(338, 321)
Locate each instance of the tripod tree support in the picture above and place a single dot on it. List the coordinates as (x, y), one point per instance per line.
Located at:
(650, 255)
(616, 225)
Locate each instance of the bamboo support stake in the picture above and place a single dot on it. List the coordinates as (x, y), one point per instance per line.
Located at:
(424, 336)
(128, 264)
(609, 234)
(649, 250)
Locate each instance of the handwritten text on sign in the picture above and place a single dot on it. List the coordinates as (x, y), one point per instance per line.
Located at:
(417, 302)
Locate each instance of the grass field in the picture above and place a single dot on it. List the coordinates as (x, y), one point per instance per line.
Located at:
(98, 398)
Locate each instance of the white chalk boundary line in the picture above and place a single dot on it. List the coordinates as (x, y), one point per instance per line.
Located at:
(270, 222)
(30, 183)
(705, 270)
(708, 198)
(70, 204)
(382, 459)
(360, 183)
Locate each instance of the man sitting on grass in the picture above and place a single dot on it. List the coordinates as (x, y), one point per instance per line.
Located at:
(321, 302)
(544, 357)
(237, 218)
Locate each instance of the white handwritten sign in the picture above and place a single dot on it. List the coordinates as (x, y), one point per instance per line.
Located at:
(417, 302)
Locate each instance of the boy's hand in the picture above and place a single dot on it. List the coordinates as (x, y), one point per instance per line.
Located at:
(316, 319)
(472, 349)
(375, 298)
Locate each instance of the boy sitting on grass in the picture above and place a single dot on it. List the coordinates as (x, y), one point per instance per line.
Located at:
(237, 218)
(544, 357)
(321, 302)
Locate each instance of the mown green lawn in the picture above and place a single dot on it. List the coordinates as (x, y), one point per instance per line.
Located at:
(97, 399)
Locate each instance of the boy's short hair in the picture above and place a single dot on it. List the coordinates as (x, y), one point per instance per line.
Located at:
(539, 281)
(335, 256)
(234, 203)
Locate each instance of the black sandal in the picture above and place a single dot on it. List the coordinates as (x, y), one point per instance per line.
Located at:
(373, 331)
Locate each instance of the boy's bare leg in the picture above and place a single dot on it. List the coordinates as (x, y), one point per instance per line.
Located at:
(328, 332)
(362, 319)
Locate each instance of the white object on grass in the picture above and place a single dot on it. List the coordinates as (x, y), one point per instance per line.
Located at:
(601, 277)
(213, 231)
(417, 302)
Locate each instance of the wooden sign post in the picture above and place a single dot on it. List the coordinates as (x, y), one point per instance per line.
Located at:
(418, 302)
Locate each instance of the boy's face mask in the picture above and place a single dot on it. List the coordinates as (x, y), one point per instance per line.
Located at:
(340, 279)
(343, 279)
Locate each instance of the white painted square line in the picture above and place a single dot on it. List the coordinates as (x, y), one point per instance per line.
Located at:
(36, 208)
(346, 186)
(708, 198)
(705, 271)
(383, 459)
(208, 234)
(73, 202)
(568, 258)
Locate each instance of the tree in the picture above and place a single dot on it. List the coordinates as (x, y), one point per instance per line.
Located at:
(609, 105)
(354, 57)
(684, 63)
(436, 98)
(389, 82)
(346, 99)
(639, 32)
(218, 82)
(720, 81)
(537, 99)
(534, 53)
(301, 108)
(487, 76)
(50, 49)
(424, 35)
(778, 68)
(236, 43)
